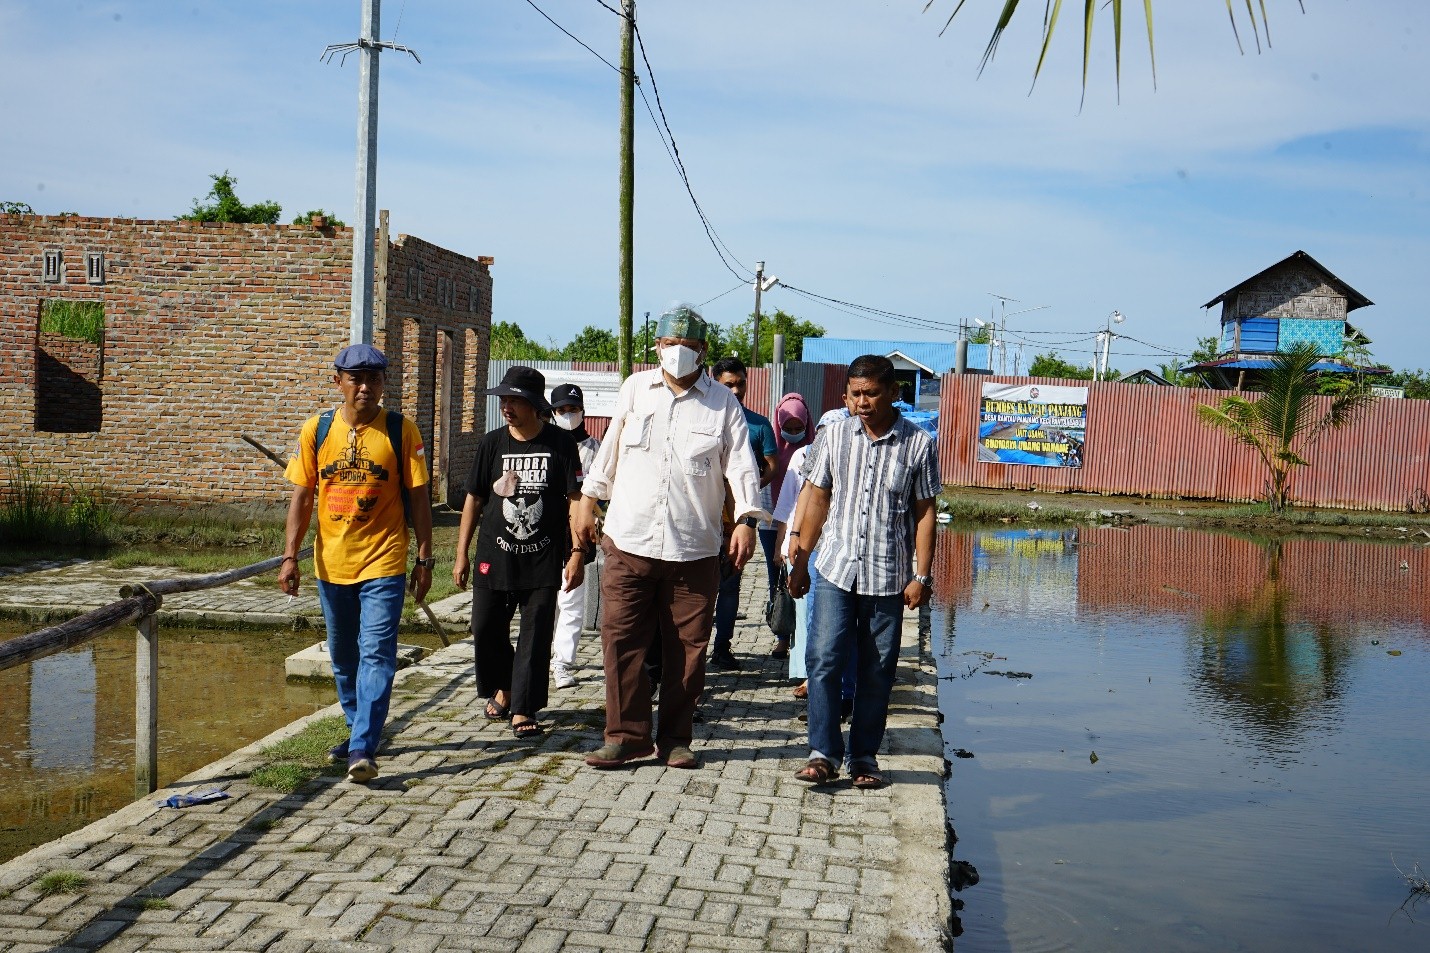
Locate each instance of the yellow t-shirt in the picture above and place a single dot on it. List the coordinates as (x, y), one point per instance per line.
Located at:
(362, 531)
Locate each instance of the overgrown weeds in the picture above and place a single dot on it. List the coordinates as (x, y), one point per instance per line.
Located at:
(40, 506)
(296, 760)
(60, 881)
(81, 320)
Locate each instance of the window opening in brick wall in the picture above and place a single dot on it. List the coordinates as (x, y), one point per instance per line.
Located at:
(472, 401)
(69, 365)
(94, 267)
(451, 301)
(472, 302)
(414, 283)
(54, 265)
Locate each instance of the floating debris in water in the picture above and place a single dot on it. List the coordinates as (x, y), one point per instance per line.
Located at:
(1093, 758)
(1013, 674)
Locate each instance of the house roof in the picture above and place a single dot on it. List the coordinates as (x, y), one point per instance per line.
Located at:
(939, 356)
(1354, 299)
(896, 355)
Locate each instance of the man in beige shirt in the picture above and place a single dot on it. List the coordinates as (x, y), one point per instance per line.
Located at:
(677, 440)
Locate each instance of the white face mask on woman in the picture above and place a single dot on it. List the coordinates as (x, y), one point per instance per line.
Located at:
(569, 421)
(678, 361)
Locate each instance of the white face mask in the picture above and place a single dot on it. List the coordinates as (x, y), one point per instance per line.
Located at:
(569, 421)
(678, 361)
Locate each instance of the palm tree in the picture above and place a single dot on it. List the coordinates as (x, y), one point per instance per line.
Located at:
(1278, 424)
(1051, 9)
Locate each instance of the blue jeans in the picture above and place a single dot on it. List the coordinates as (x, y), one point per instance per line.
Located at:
(362, 619)
(868, 627)
(727, 604)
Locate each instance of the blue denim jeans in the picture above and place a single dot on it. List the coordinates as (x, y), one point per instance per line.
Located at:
(362, 620)
(727, 604)
(869, 627)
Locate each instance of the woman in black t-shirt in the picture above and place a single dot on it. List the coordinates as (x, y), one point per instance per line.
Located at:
(523, 479)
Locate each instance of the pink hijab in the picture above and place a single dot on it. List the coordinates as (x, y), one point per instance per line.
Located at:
(790, 407)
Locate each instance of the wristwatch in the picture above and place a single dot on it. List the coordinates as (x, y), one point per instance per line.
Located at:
(749, 521)
(926, 581)
(428, 563)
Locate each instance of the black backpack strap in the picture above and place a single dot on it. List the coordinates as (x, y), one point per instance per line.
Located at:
(325, 423)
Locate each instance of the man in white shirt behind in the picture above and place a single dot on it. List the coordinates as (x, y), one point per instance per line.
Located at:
(676, 441)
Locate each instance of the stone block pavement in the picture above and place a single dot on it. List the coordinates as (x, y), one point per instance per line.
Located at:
(471, 840)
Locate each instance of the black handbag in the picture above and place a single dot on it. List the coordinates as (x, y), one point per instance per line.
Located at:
(779, 612)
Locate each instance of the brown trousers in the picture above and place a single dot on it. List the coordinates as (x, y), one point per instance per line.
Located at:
(642, 600)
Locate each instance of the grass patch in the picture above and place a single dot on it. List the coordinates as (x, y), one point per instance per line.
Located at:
(81, 320)
(296, 760)
(154, 903)
(41, 508)
(60, 881)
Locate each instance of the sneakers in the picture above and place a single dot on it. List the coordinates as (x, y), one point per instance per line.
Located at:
(361, 768)
(338, 753)
(614, 755)
(562, 675)
(723, 660)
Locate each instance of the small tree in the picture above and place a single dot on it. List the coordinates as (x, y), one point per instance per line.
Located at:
(596, 344)
(510, 343)
(1279, 424)
(16, 208)
(794, 329)
(226, 207)
(332, 220)
(1050, 365)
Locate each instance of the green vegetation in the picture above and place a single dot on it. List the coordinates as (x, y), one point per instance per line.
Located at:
(1050, 22)
(332, 221)
(1050, 365)
(736, 338)
(154, 903)
(60, 881)
(225, 206)
(37, 505)
(16, 208)
(1278, 424)
(294, 761)
(81, 320)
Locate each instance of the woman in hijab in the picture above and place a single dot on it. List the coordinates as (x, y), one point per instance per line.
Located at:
(793, 429)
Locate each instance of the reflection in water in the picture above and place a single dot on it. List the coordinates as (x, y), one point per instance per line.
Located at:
(67, 721)
(1250, 727)
(1277, 675)
(62, 711)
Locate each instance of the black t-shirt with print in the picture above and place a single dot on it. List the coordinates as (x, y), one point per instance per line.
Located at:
(525, 536)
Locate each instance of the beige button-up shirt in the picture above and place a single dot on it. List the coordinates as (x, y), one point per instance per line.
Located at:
(664, 463)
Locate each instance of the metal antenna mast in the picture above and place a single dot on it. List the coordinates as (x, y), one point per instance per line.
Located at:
(365, 225)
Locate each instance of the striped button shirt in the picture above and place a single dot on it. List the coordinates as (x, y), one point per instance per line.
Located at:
(867, 544)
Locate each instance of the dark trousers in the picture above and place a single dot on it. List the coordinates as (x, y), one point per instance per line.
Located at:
(521, 671)
(644, 600)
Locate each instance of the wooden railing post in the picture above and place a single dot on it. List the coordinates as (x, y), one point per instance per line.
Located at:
(146, 707)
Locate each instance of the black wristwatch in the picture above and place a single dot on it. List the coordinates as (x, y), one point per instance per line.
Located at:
(429, 563)
(749, 521)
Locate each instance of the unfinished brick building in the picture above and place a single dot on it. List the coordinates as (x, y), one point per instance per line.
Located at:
(197, 334)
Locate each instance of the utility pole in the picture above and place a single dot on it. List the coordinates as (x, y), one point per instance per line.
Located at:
(360, 326)
(628, 179)
(367, 47)
(755, 333)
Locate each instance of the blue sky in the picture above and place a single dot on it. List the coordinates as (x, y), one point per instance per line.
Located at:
(843, 142)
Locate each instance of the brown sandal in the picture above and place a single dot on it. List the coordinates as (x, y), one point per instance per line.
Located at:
(867, 778)
(801, 690)
(817, 771)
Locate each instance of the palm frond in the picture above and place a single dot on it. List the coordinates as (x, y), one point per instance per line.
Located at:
(1255, 13)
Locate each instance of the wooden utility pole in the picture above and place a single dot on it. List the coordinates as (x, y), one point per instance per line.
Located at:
(628, 180)
(755, 327)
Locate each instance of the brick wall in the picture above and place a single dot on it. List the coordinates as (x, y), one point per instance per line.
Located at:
(211, 331)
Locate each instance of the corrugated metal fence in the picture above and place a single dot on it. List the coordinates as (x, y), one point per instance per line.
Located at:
(1146, 440)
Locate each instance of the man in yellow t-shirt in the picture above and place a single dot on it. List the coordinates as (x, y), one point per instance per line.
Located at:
(360, 554)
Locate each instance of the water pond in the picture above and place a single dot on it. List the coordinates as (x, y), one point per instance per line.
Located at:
(1164, 739)
(67, 721)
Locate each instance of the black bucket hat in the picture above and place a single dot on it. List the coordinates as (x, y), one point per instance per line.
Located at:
(525, 382)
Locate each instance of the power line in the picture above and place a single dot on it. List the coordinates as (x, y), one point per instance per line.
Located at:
(743, 284)
(573, 36)
(619, 13)
(721, 249)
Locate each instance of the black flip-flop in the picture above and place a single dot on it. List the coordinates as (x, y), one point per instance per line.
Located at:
(496, 712)
(527, 730)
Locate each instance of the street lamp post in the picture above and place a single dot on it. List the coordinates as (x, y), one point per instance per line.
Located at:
(1105, 339)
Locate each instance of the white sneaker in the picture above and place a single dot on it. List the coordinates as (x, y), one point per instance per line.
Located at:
(562, 675)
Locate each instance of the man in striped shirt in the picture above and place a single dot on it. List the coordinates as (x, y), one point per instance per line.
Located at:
(872, 481)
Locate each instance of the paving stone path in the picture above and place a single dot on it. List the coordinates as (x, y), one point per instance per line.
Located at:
(471, 840)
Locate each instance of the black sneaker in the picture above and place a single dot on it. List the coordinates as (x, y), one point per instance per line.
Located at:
(723, 660)
(338, 753)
